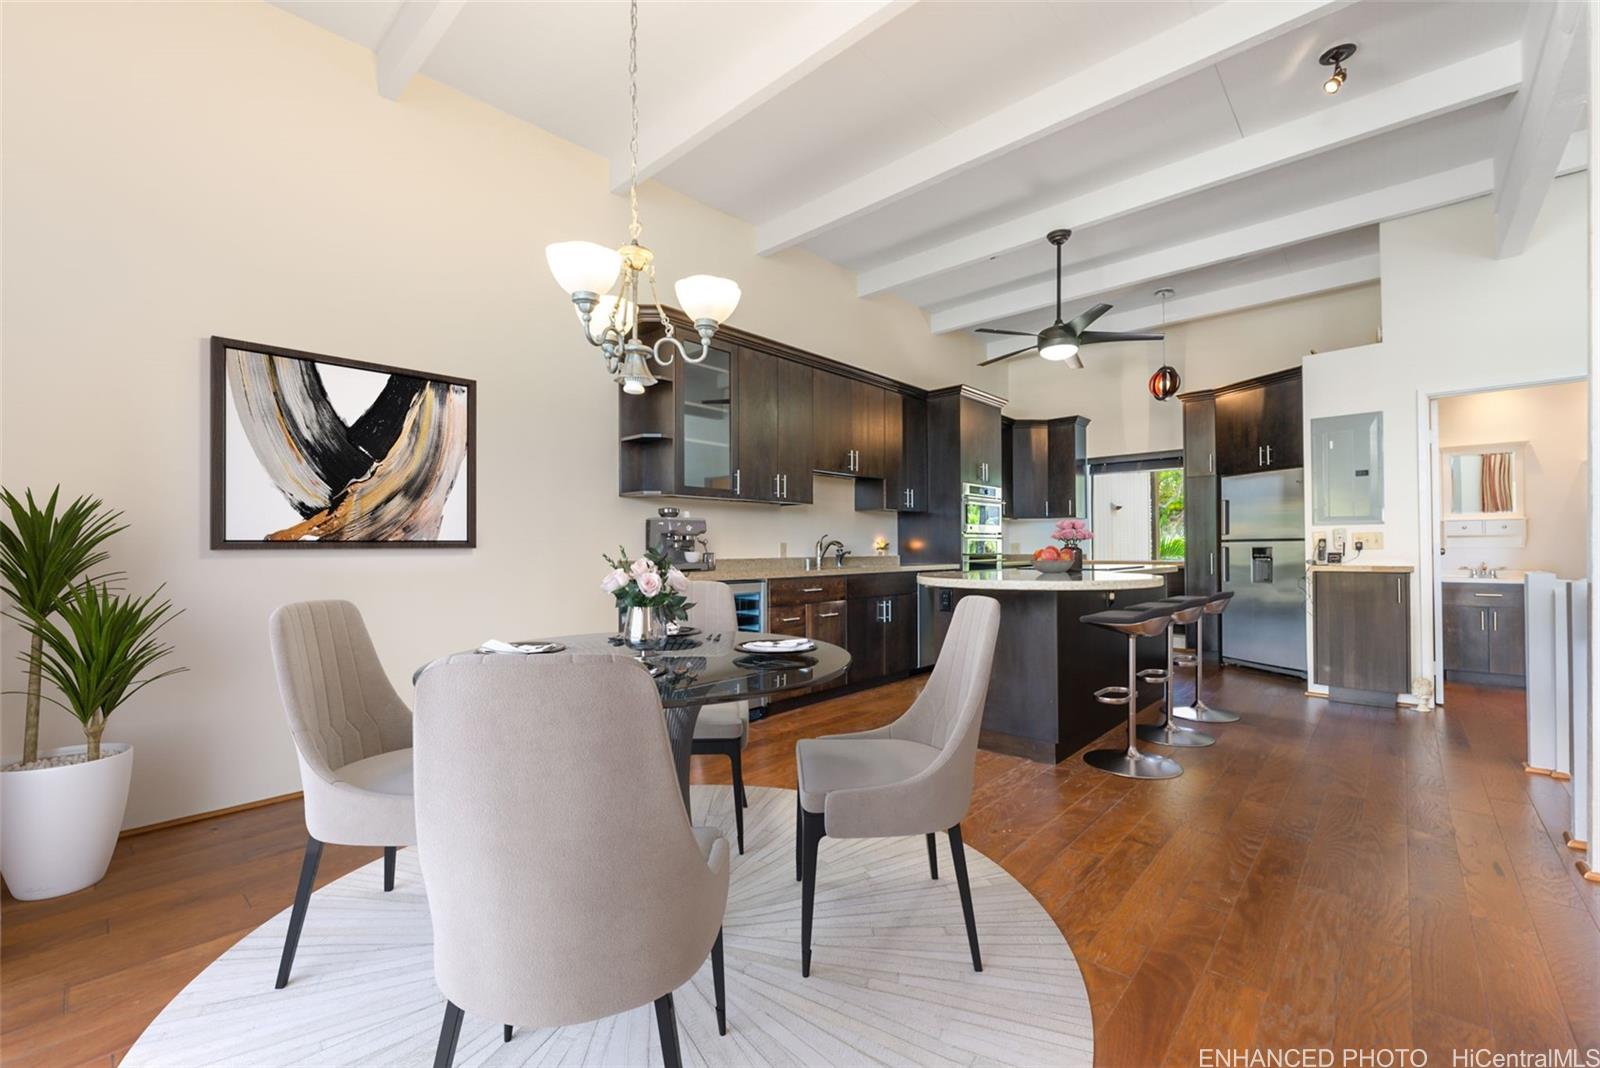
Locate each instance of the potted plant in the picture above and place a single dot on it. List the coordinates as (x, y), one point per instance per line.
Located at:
(1072, 533)
(649, 591)
(61, 811)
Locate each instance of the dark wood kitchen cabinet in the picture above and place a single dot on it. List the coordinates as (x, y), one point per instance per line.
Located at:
(1362, 634)
(867, 403)
(848, 426)
(980, 442)
(1200, 436)
(772, 409)
(1049, 470)
(904, 487)
(1201, 547)
(963, 436)
(882, 625)
(792, 448)
(1258, 425)
(1484, 633)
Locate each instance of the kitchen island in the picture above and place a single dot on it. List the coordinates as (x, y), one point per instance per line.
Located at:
(1047, 665)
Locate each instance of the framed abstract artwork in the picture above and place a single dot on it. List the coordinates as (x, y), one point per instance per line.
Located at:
(310, 450)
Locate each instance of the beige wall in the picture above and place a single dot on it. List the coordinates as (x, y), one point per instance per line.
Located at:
(1113, 388)
(1554, 422)
(173, 171)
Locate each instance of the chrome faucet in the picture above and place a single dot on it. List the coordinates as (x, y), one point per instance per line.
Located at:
(1483, 570)
(825, 543)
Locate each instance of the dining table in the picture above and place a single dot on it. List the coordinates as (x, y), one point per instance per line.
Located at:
(692, 671)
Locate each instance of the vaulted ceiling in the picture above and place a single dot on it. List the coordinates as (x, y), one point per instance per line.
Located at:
(929, 146)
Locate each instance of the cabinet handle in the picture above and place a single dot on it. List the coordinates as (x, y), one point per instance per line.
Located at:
(1259, 461)
(790, 619)
(889, 607)
(1269, 455)
(1488, 595)
(827, 615)
(777, 485)
(1047, 506)
(1399, 585)
(737, 492)
(785, 487)
(1483, 619)
(810, 589)
(1211, 563)
(1211, 463)
(1495, 615)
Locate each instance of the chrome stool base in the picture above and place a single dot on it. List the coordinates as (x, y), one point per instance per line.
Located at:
(1175, 735)
(1200, 712)
(1133, 765)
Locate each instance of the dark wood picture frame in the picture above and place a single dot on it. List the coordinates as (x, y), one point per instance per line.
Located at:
(219, 424)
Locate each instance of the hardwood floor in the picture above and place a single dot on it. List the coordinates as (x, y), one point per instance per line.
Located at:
(1325, 875)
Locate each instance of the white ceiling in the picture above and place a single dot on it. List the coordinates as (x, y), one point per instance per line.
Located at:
(929, 145)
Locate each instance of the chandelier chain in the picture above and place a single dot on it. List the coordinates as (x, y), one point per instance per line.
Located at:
(633, 104)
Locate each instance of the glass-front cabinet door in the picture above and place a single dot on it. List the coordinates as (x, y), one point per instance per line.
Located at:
(706, 424)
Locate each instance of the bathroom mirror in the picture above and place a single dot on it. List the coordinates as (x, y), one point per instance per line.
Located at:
(1347, 468)
(1483, 480)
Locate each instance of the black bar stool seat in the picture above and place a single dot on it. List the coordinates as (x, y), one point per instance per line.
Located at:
(1200, 712)
(1144, 620)
(1185, 610)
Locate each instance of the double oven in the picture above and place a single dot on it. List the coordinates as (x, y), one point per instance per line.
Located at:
(981, 507)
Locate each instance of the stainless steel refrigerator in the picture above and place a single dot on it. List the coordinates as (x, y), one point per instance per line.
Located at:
(1264, 564)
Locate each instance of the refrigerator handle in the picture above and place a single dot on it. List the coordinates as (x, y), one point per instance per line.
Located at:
(1227, 517)
(1225, 569)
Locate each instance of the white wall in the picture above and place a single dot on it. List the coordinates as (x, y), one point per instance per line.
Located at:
(1554, 422)
(1112, 390)
(173, 171)
(1455, 319)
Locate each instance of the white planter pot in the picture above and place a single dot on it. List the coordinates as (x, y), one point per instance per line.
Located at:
(59, 826)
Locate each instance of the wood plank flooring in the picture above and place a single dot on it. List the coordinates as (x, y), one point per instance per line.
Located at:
(1325, 875)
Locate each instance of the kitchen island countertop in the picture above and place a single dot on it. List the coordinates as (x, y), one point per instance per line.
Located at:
(1026, 580)
(757, 569)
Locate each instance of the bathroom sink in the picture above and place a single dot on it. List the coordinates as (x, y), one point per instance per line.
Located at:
(1504, 575)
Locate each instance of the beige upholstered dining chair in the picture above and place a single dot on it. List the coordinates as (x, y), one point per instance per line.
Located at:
(564, 881)
(352, 733)
(722, 729)
(913, 776)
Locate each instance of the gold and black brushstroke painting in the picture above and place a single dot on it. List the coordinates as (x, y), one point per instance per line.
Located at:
(319, 450)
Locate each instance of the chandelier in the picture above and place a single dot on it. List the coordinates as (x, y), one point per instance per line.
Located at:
(604, 282)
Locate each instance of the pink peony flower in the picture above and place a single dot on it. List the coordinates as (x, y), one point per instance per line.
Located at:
(614, 581)
(643, 566)
(678, 580)
(649, 583)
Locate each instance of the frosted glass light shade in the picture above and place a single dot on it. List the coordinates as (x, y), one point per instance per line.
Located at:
(705, 296)
(1059, 350)
(583, 266)
(600, 318)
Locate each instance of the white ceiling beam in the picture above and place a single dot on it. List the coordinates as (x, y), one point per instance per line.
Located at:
(752, 78)
(1198, 42)
(1357, 270)
(1406, 198)
(416, 31)
(1539, 122)
(1471, 81)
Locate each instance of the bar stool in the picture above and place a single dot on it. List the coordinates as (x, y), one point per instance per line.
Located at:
(1185, 610)
(1200, 712)
(1140, 621)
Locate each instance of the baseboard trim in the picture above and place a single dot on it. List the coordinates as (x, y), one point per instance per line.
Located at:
(198, 817)
(1529, 769)
(1561, 776)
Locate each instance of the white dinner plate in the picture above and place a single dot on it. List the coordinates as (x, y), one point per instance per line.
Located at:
(788, 645)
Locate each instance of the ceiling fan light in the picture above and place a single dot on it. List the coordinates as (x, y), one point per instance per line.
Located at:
(1061, 351)
(583, 266)
(705, 296)
(1075, 361)
(1335, 81)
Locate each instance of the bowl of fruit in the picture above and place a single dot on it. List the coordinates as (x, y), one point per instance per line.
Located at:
(1051, 560)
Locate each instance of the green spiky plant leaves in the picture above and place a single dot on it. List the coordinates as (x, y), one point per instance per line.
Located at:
(106, 652)
(44, 554)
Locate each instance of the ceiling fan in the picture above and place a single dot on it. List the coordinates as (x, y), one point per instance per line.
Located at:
(1061, 341)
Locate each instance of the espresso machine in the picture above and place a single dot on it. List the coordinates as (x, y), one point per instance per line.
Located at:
(680, 540)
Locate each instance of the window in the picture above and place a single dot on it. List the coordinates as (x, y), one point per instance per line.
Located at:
(1137, 507)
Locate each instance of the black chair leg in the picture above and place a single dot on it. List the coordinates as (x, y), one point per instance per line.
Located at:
(508, 1032)
(738, 795)
(667, 1025)
(388, 867)
(959, 856)
(297, 917)
(449, 1034)
(799, 837)
(812, 832)
(719, 983)
(933, 857)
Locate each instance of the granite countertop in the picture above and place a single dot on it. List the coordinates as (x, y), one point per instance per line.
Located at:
(1371, 569)
(1027, 580)
(755, 569)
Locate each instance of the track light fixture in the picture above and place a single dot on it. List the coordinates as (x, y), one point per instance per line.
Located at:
(1335, 57)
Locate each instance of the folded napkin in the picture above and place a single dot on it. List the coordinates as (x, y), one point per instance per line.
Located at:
(494, 645)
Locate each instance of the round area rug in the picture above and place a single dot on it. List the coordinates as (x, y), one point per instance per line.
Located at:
(891, 978)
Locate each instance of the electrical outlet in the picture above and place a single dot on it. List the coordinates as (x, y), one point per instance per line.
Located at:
(1369, 539)
(783, 550)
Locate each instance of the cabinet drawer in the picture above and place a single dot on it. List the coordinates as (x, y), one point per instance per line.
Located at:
(883, 584)
(1506, 528)
(790, 621)
(1484, 594)
(1463, 527)
(805, 590)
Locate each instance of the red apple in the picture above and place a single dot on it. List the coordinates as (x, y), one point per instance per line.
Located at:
(1049, 552)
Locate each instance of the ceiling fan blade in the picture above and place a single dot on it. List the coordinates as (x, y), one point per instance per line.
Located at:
(1007, 356)
(1077, 325)
(1013, 333)
(1096, 337)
